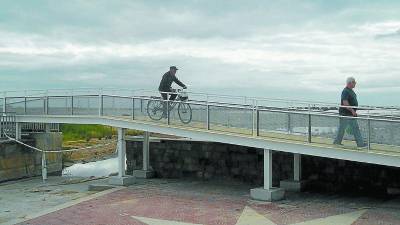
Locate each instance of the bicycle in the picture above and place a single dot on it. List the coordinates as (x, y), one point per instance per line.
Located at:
(155, 108)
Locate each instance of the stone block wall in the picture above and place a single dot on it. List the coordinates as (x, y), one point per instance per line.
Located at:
(208, 160)
(17, 161)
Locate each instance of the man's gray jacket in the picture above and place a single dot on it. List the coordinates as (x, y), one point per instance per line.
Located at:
(166, 82)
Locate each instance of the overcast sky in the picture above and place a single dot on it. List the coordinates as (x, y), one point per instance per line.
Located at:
(285, 48)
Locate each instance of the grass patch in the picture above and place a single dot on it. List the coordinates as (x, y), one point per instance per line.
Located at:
(74, 132)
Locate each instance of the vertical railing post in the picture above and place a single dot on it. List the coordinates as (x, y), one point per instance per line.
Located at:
(133, 108)
(258, 121)
(25, 105)
(369, 132)
(208, 116)
(168, 114)
(72, 105)
(101, 104)
(309, 123)
(5, 102)
(46, 103)
(288, 121)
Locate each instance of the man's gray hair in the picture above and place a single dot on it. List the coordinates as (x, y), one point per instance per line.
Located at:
(350, 80)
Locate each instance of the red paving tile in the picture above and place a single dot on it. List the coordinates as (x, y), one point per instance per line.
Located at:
(191, 207)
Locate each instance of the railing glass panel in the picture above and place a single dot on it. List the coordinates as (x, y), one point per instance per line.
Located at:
(117, 106)
(151, 109)
(278, 123)
(60, 105)
(35, 106)
(385, 136)
(85, 105)
(231, 119)
(16, 104)
(188, 114)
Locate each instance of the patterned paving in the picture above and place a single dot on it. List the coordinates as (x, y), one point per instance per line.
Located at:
(201, 203)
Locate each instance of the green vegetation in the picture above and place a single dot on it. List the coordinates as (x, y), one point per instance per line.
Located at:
(72, 132)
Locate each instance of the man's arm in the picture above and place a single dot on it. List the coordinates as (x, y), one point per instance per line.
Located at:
(346, 103)
(178, 82)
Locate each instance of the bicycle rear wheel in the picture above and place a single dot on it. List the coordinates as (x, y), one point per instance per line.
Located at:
(155, 109)
(185, 112)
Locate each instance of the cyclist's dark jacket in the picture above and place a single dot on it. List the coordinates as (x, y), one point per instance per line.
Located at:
(166, 82)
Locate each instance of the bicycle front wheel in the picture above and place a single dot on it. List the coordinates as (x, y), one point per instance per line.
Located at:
(185, 112)
(155, 109)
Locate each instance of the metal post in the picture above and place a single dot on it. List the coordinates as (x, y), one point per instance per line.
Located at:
(72, 105)
(253, 127)
(267, 169)
(309, 124)
(369, 133)
(25, 105)
(133, 108)
(121, 152)
(288, 125)
(146, 149)
(46, 104)
(100, 105)
(5, 104)
(296, 167)
(258, 122)
(168, 119)
(208, 116)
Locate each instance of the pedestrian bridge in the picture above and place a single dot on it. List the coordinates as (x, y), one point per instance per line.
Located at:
(297, 127)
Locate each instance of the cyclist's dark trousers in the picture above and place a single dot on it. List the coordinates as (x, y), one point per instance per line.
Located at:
(171, 98)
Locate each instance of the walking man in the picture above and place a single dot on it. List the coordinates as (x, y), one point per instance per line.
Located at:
(348, 99)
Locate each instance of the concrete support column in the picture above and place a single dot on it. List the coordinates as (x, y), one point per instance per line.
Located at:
(296, 184)
(146, 172)
(146, 150)
(297, 167)
(44, 167)
(121, 179)
(267, 169)
(18, 131)
(121, 152)
(267, 193)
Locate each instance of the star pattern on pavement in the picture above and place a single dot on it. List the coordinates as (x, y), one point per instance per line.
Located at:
(250, 217)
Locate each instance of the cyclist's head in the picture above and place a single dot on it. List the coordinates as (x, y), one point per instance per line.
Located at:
(173, 69)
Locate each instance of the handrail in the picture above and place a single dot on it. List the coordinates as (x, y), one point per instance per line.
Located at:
(209, 103)
(205, 95)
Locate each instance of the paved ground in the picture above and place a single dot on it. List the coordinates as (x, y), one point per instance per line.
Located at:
(179, 202)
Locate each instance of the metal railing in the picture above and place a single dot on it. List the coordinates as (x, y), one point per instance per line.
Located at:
(7, 124)
(205, 97)
(303, 122)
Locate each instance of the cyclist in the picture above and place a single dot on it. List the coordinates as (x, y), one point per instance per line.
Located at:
(165, 85)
